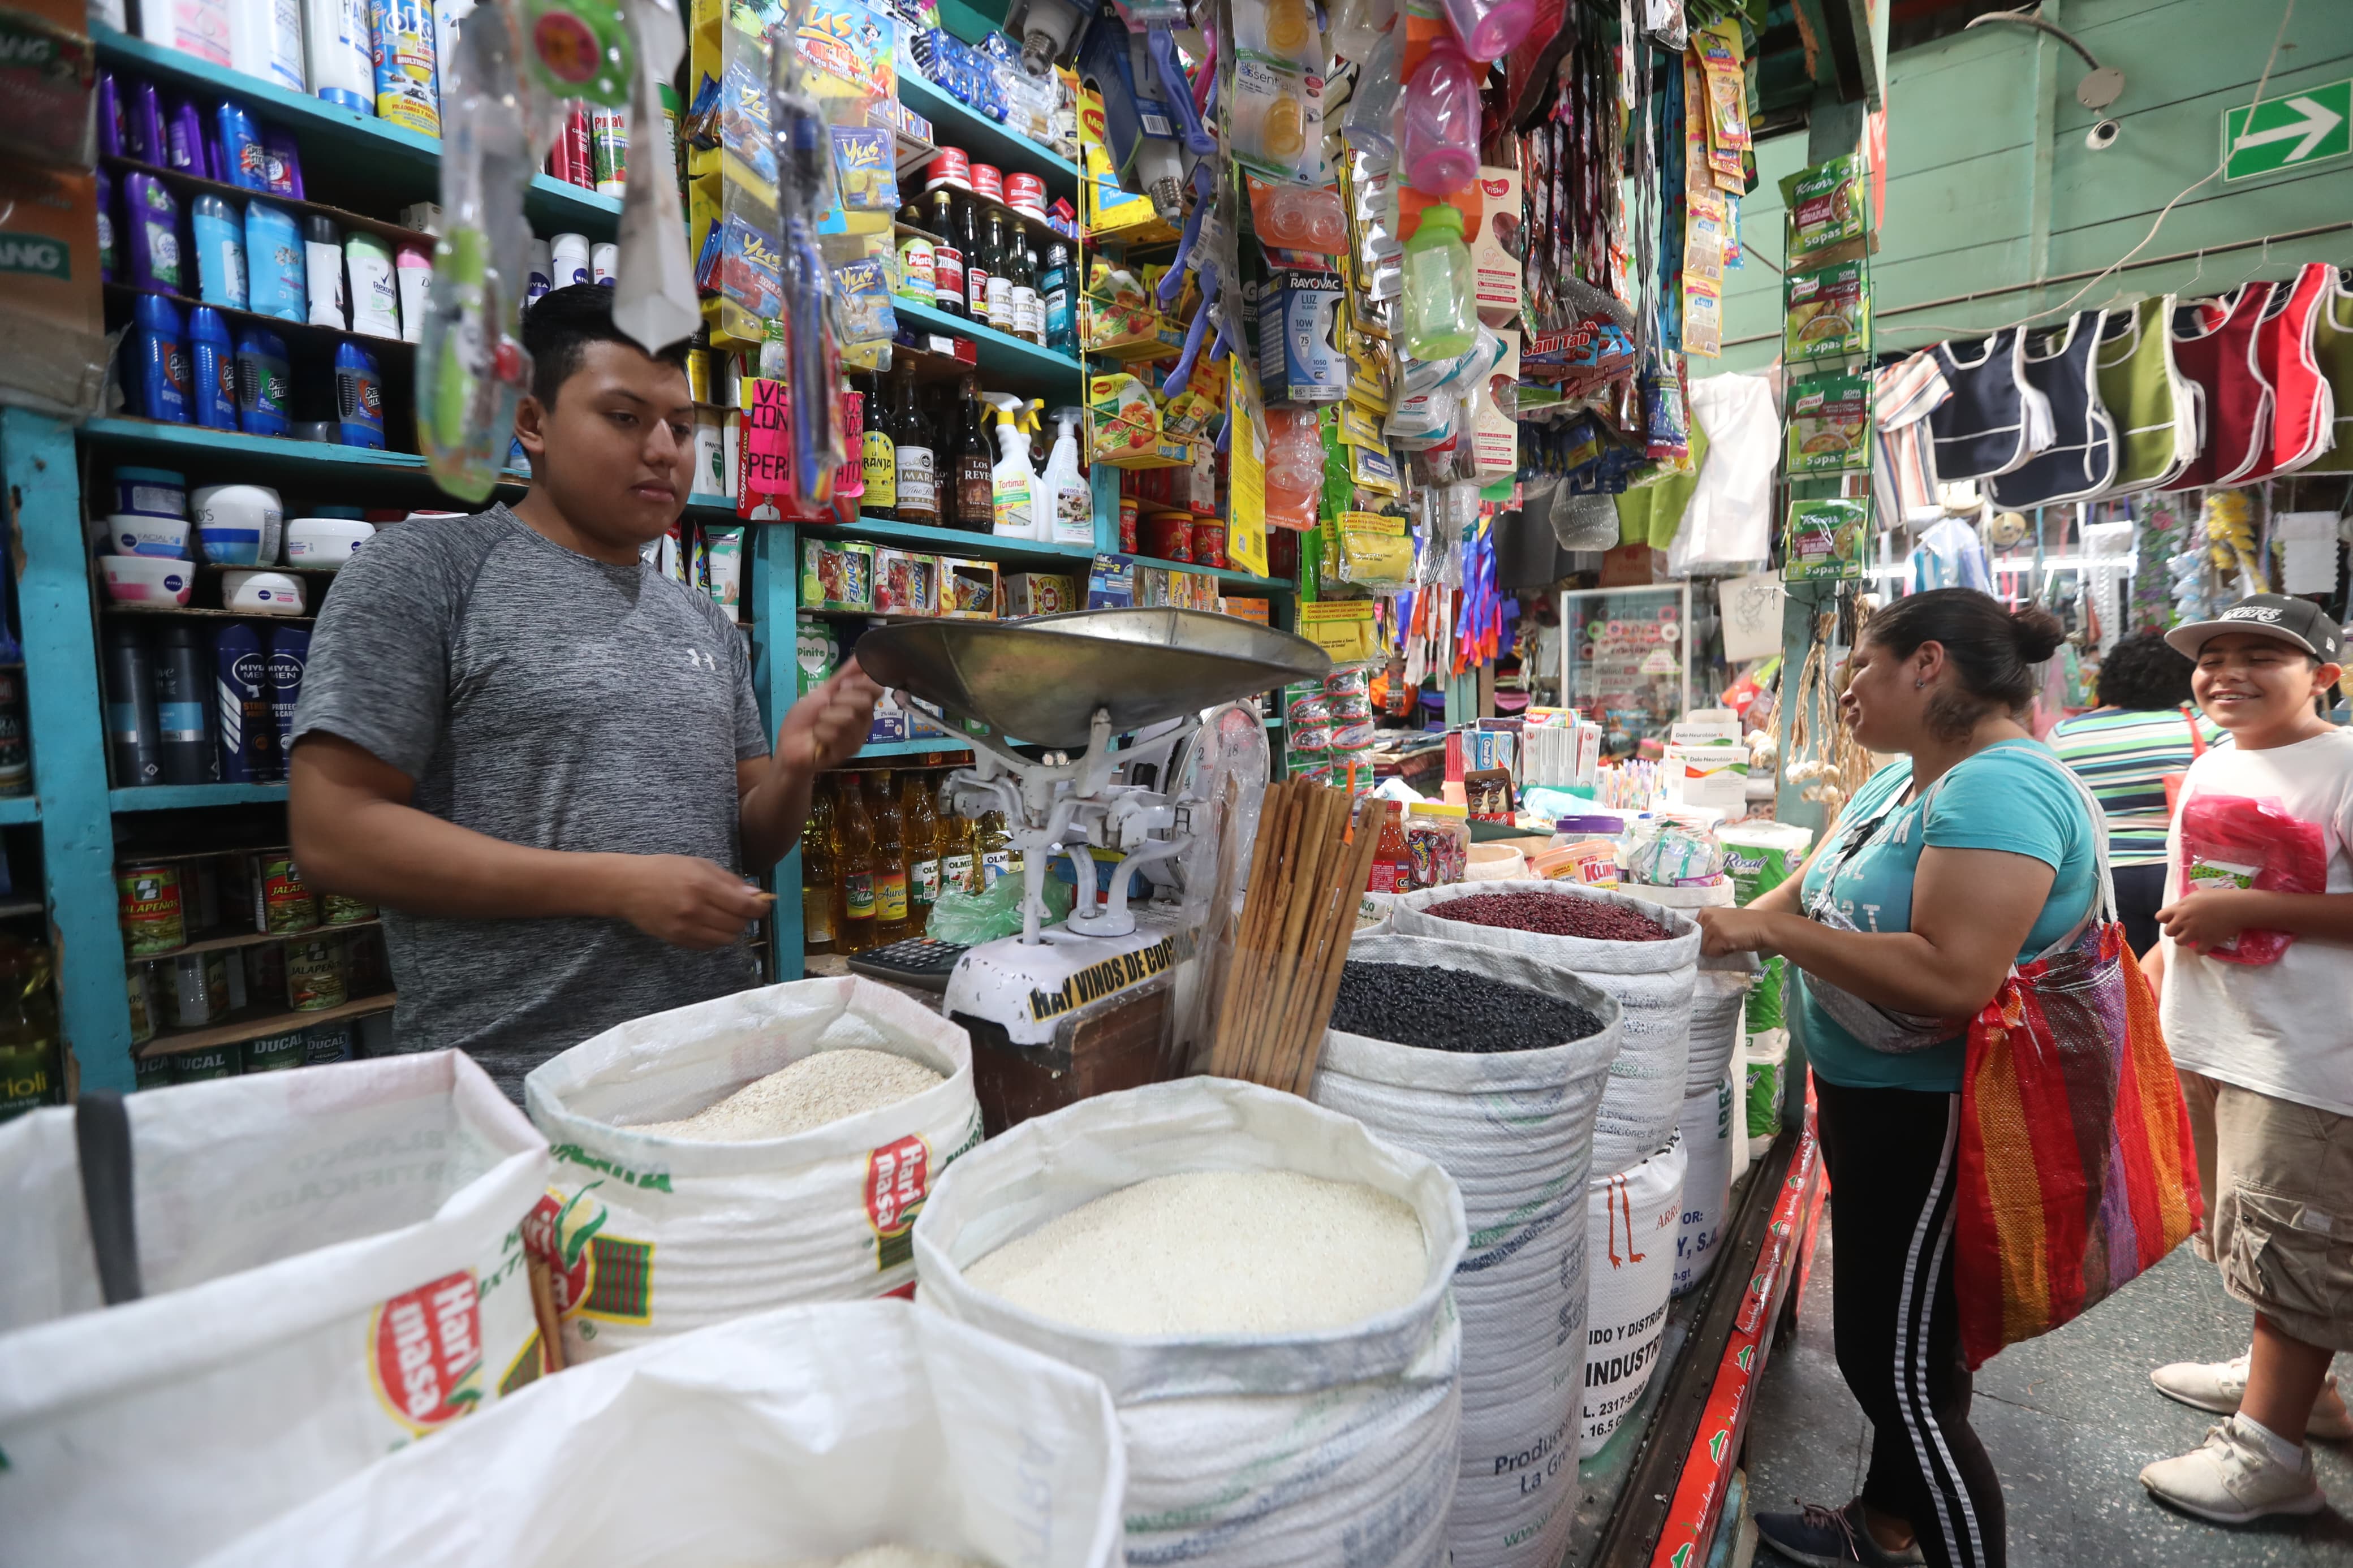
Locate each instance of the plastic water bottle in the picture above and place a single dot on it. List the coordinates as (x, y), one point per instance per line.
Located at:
(1440, 318)
(1438, 123)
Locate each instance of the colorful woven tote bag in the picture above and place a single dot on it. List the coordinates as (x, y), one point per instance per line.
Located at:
(2076, 1168)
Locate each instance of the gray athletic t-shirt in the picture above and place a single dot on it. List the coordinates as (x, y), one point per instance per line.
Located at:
(552, 700)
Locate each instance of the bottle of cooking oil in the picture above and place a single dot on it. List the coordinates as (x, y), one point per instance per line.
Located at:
(818, 890)
(891, 906)
(853, 868)
(995, 847)
(959, 860)
(29, 1069)
(922, 851)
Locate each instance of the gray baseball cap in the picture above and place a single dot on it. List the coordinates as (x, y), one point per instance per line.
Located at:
(2298, 621)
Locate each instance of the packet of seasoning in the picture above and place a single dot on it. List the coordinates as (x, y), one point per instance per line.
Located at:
(1829, 314)
(1829, 209)
(1829, 424)
(1825, 539)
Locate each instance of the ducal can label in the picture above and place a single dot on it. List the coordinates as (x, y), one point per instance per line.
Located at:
(148, 900)
(314, 974)
(212, 1061)
(1026, 193)
(274, 1053)
(425, 1353)
(281, 903)
(948, 167)
(988, 184)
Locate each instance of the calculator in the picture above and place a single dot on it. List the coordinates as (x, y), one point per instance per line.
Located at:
(919, 961)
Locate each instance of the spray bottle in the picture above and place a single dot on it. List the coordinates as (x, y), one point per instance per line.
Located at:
(1073, 500)
(1014, 484)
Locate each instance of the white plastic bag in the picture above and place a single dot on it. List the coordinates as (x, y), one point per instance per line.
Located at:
(332, 1267)
(1630, 1246)
(1652, 980)
(1710, 1135)
(650, 1236)
(807, 1432)
(1514, 1129)
(1243, 1451)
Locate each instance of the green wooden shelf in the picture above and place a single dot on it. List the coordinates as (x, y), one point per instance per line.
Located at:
(920, 536)
(1004, 363)
(956, 124)
(390, 161)
(174, 797)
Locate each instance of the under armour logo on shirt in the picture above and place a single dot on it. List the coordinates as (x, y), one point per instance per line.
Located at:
(700, 658)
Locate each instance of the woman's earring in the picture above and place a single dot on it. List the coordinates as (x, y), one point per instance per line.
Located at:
(1919, 685)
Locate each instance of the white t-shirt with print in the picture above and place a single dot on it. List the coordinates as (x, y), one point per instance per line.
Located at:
(2284, 1029)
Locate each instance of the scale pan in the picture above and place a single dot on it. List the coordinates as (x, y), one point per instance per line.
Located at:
(1042, 680)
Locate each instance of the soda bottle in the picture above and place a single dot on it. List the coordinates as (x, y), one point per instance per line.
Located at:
(889, 859)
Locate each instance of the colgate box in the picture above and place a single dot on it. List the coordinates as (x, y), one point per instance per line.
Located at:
(330, 1267)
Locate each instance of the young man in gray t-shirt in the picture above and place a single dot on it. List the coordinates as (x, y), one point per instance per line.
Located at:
(540, 754)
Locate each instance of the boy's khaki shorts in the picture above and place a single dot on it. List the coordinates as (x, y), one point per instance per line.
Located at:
(2278, 1180)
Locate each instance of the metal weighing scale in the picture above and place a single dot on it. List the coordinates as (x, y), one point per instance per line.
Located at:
(1111, 998)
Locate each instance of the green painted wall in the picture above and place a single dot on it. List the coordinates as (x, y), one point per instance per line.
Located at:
(1990, 182)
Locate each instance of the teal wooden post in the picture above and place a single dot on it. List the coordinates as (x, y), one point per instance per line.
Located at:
(68, 743)
(775, 600)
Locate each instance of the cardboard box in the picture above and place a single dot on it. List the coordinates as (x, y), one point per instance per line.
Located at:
(1246, 610)
(1300, 359)
(968, 589)
(1494, 414)
(1111, 585)
(906, 583)
(1494, 267)
(816, 654)
(837, 574)
(1039, 593)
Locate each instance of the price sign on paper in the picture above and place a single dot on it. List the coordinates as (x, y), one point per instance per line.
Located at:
(767, 440)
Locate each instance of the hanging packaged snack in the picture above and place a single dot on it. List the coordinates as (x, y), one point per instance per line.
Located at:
(1829, 425)
(1825, 539)
(1727, 87)
(1828, 213)
(1375, 551)
(1828, 313)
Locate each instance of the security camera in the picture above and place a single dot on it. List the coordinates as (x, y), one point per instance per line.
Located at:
(2103, 136)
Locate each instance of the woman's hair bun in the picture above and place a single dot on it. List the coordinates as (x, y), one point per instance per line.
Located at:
(2038, 633)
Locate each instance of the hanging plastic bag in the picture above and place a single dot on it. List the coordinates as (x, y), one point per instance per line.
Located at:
(2236, 841)
(654, 298)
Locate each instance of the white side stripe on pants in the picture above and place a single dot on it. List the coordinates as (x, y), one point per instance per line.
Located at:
(1918, 1296)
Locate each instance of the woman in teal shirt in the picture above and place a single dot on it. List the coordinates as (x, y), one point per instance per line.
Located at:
(1976, 852)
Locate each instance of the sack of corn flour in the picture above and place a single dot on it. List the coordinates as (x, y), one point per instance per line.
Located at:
(1514, 1129)
(647, 1236)
(1631, 1220)
(1282, 1450)
(803, 1432)
(1652, 980)
(331, 1266)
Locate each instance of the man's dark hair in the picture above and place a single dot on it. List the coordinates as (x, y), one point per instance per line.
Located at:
(2142, 672)
(559, 326)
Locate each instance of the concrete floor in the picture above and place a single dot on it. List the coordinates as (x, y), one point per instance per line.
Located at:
(2069, 1420)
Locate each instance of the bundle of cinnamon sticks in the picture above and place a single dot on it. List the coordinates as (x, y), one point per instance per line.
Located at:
(1308, 871)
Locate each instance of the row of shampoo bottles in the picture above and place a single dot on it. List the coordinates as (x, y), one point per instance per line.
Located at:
(1053, 507)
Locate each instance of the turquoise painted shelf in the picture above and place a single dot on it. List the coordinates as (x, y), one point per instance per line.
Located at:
(388, 162)
(20, 808)
(1006, 363)
(911, 747)
(174, 797)
(956, 124)
(920, 536)
(1224, 573)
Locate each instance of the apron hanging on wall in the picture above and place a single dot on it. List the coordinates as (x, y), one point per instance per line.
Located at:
(1994, 421)
(2332, 350)
(2304, 409)
(2214, 344)
(2157, 410)
(2080, 461)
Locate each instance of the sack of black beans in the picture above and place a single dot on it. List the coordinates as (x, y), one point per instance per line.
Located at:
(1492, 1063)
(1645, 955)
(1711, 1132)
(1247, 1447)
(762, 1150)
(1630, 1220)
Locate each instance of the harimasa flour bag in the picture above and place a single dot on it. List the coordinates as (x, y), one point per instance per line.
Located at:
(1652, 980)
(1630, 1220)
(648, 1234)
(1282, 1450)
(1514, 1129)
(331, 1266)
(798, 1434)
(1712, 1138)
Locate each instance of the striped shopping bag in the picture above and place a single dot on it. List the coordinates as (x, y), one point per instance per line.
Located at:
(2076, 1168)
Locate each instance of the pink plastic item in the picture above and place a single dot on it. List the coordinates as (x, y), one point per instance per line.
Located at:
(1438, 122)
(1490, 29)
(2237, 841)
(1294, 467)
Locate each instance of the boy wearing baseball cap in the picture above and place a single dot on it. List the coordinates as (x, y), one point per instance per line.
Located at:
(2266, 1058)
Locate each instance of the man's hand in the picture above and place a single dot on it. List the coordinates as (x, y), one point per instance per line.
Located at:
(825, 729)
(2208, 917)
(686, 901)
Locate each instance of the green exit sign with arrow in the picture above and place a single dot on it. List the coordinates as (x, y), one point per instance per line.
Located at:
(2283, 133)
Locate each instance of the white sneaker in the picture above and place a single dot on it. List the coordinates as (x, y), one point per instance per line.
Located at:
(2233, 1479)
(2219, 1385)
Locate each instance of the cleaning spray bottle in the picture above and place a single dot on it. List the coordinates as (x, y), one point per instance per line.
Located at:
(1073, 500)
(1014, 485)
